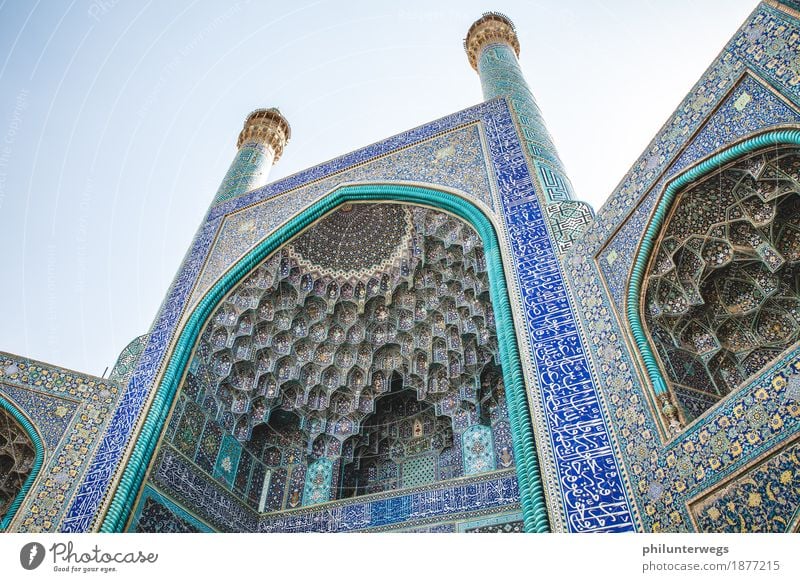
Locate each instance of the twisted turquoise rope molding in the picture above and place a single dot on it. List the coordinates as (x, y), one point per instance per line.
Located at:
(534, 509)
(37, 462)
(715, 162)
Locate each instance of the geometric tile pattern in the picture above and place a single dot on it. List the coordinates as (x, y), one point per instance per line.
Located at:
(419, 471)
(17, 458)
(249, 170)
(666, 475)
(155, 517)
(544, 309)
(604, 457)
(585, 471)
(346, 340)
(749, 106)
(404, 444)
(436, 528)
(508, 527)
(318, 482)
(478, 450)
(335, 247)
(568, 221)
(504, 453)
(741, 427)
(721, 296)
(51, 415)
(566, 400)
(294, 336)
(228, 459)
(484, 494)
(585, 482)
(179, 479)
(157, 514)
(499, 523)
(127, 360)
(711, 115)
(501, 74)
(70, 411)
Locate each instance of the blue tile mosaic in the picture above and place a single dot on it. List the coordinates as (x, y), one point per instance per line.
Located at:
(748, 107)
(69, 410)
(545, 307)
(605, 464)
(710, 458)
(51, 415)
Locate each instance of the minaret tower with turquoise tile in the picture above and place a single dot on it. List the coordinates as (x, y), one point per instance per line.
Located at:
(260, 145)
(493, 47)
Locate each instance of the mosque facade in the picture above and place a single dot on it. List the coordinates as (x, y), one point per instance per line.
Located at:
(434, 333)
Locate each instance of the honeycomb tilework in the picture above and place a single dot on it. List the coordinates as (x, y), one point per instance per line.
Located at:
(454, 159)
(748, 107)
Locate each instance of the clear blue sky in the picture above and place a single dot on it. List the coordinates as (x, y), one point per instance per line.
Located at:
(118, 120)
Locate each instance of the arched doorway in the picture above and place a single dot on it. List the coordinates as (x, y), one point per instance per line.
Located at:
(21, 457)
(285, 332)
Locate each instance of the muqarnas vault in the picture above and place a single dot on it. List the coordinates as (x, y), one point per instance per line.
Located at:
(434, 334)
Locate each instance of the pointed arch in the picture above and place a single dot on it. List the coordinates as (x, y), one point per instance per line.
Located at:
(8, 407)
(634, 306)
(528, 475)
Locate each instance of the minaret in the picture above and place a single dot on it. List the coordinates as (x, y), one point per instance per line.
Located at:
(260, 145)
(493, 47)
